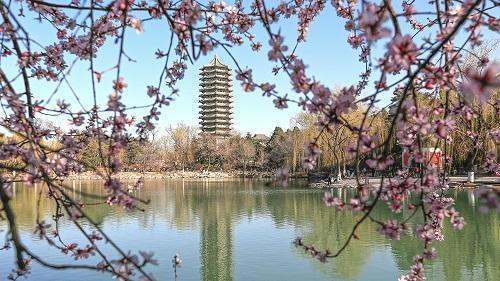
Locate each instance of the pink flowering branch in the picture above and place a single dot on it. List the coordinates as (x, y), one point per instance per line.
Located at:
(19, 53)
(417, 69)
(409, 88)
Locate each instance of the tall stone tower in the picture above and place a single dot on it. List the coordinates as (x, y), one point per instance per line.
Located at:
(216, 99)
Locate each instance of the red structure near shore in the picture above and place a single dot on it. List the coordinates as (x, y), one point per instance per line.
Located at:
(433, 157)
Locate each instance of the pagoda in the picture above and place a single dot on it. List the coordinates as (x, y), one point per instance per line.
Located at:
(215, 99)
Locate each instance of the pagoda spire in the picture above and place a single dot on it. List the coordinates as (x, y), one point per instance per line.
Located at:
(216, 62)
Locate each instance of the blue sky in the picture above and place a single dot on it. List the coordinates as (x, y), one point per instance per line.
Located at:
(326, 52)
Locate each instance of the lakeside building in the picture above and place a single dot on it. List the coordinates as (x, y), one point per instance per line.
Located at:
(216, 99)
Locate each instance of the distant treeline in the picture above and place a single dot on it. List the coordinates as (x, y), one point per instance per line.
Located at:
(183, 148)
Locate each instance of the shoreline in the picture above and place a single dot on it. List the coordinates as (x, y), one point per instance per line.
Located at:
(455, 182)
(459, 182)
(187, 175)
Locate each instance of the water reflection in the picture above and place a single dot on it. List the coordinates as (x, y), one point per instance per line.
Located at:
(216, 210)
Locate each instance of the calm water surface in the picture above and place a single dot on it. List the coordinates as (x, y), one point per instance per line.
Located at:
(243, 231)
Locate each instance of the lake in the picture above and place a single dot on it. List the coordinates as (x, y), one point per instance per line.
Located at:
(243, 230)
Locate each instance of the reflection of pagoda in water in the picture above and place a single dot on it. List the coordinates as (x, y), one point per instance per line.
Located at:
(216, 208)
(216, 247)
(215, 98)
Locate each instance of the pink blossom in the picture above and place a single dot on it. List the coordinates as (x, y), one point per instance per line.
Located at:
(137, 25)
(489, 199)
(41, 229)
(78, 120)
(114, 103)
(98, 76)
(69, 248)
(268, 89)
(344, 101)
(119, 84)
(401, 54)
(349, 25)
(355, 204)
(409, 9)
(355, 41)
(332, 201)
(299, 79)
(245, 76)
(84, 253)
(371, 21)
(306, 16)
(280, 102)
(480, 85)
(458, 222)
(74, 213)
(312, 152)
(443, 127)
(380, 164)
(430, 254)
(148, 257)
(153, 91)
(282, 176)
(416, 272)
(391, 229)
(95, 236)
(491, 164)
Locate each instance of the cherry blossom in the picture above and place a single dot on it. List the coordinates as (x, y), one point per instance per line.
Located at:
(371, 22)
(282, 176)
(120, 84)
(480, 85)
(402, 54)
(311, 155)
(332, 201)
(391, 229)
